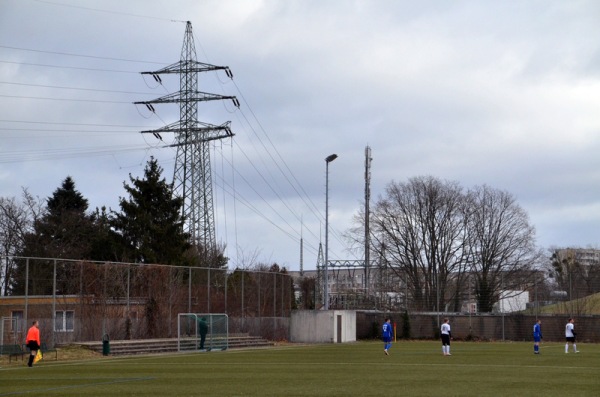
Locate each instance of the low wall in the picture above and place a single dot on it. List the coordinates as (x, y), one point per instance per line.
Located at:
(271, 328)
(514, 327)
(331, 326)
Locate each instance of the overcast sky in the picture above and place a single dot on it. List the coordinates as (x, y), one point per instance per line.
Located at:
(503, 93)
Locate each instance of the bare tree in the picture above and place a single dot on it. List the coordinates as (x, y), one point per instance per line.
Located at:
(16, 220)
(421, 226)
(501, 244)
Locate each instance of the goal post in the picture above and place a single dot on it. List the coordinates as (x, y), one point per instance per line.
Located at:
(202, 332)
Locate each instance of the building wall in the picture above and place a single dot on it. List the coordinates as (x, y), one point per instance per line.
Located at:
(512, 301)
(312, 326)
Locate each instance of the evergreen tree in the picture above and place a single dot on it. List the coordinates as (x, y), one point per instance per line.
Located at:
(63, 231)
(150, 221)
(106, 245)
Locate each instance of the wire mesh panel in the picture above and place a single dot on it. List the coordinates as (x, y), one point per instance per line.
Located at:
(84, 300)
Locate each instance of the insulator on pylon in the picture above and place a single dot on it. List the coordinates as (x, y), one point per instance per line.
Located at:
(236, 102)
(197, 197)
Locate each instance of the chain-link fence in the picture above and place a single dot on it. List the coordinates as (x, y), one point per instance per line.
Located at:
(534, 292)
(514, 305)
(82, 301)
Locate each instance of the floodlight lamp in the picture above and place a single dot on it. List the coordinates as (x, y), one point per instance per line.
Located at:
(331, 157)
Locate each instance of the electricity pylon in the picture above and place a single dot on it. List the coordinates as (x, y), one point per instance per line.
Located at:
(192, 179)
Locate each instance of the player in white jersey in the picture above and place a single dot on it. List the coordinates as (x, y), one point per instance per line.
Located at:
(570, 336)
(446, 335)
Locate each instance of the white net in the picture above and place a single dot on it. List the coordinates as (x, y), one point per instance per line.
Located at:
(202, 332)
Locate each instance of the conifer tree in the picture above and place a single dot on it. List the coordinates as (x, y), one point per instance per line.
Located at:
(150, 221)
(64, 231)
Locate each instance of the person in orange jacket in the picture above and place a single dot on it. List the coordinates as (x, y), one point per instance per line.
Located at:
(33, 341)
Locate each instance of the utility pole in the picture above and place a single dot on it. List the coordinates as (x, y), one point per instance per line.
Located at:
(328, 160)
(368, 160)
(192, 179)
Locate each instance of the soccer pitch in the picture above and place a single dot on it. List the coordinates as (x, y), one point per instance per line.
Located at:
(355, 369)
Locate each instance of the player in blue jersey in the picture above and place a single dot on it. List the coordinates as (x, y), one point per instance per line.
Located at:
(387, 334)
(537, 336)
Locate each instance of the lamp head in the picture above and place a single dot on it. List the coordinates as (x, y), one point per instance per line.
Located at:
(330, 158)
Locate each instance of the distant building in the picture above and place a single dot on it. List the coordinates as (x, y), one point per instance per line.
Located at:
(585, 256)
(512, 301)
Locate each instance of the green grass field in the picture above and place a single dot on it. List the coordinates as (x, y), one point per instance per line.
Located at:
(355, 369)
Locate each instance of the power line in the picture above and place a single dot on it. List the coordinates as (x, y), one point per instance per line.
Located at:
(79, 124)
(108, 11)
(64, 153)
(77, 88)
(69, 67)
(267, 146)
(79, 55)
(62, 99)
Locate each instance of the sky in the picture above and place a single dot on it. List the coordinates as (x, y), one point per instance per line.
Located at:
(504, 94)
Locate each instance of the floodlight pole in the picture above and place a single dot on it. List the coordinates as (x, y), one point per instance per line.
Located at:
(328, 160)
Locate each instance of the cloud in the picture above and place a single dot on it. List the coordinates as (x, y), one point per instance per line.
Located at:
(497, 93)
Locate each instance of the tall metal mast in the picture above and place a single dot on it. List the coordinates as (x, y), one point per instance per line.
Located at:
(368, 160)
(192, 179)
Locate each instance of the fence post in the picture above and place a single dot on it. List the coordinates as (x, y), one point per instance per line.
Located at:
(502, 305)
(26, 291)
(189, 289)
(243, 311)
(54, 304)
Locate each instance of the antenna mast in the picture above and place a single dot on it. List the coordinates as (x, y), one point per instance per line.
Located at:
(368, 160)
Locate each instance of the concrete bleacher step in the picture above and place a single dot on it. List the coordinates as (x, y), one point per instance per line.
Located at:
(167, 345)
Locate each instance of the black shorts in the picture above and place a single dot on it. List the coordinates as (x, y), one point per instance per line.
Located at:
(570, 339)
(33, 345)
(445, 339)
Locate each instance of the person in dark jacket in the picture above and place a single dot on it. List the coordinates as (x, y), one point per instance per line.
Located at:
(202, 330)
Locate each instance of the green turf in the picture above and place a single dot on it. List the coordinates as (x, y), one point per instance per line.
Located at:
(356, 369)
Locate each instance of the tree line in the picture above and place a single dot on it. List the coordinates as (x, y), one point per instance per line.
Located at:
(147, 229)
(444, 242)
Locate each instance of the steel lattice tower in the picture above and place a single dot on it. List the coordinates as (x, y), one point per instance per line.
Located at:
(192, 179)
